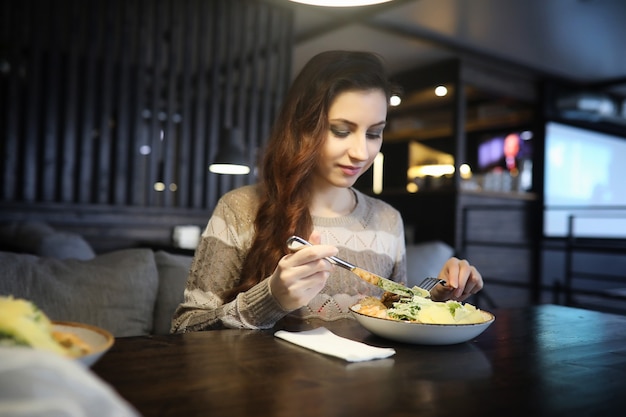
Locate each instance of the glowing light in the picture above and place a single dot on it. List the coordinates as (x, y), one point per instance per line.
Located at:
(159, 186)
(395, 100)
(229, 169)
(340, 3)
(430, 170)
(441, 91)
(526, 135)
(377, 184)
(465, 171)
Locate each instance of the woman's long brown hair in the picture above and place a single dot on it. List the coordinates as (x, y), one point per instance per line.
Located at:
(293, 150)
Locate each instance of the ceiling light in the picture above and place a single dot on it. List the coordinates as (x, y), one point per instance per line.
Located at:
(441, 91)
(340, 3)
(395, 100)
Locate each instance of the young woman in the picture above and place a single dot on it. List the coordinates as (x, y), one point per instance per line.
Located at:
(327, 134)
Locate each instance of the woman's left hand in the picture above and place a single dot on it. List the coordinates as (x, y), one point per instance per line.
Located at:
(462, 281)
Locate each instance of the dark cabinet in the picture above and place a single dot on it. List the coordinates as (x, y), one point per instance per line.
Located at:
(446, 178)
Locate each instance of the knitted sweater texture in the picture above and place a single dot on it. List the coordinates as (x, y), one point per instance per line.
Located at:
(372, 237)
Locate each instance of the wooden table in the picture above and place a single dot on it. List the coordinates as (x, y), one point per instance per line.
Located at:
(544, 360)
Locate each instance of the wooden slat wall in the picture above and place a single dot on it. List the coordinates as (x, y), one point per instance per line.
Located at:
(100, 100)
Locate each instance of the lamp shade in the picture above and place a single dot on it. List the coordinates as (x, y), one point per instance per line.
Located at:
(340, 3)
(230, 158)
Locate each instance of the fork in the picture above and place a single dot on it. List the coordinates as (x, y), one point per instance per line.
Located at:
(430, 283)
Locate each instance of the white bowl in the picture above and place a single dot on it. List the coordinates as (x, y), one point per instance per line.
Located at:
(420, 333)
(99, 340)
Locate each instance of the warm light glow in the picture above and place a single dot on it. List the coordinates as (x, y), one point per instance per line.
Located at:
(229, 169)
(441, 91)
(465, 171)
(395, 100)
(377, 183)
(340, 3)
(173, 187)
(159, 186)
(430, 170)
(412, 187)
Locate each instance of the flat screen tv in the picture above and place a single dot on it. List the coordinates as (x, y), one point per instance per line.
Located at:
(584, 177)
(505, 150)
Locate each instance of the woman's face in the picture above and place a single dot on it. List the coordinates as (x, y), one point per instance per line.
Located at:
(357, 120)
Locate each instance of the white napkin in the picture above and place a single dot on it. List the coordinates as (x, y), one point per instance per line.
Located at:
(324, 341)
(36, 383)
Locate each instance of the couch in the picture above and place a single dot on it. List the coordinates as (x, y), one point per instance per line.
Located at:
(129, 292)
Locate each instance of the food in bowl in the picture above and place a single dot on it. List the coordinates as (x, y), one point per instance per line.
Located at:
(420, 309)
(420, 320)
(22, 323)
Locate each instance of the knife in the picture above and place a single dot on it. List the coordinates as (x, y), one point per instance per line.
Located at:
(295, 242)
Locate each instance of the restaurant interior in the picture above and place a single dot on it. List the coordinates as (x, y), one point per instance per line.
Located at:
(112, 111)
(122, 122)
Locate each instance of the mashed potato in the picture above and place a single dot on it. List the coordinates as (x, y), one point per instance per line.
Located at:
(23, 324)
(423, 310)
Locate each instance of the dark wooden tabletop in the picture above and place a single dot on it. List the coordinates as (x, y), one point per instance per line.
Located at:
(545, 360)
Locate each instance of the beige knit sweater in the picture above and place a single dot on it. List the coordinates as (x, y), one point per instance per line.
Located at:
(372, 237)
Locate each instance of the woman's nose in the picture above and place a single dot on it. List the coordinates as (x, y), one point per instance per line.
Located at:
(358, 148)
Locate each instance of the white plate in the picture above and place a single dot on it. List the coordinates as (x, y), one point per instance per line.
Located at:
(99, 340)
(420, 333)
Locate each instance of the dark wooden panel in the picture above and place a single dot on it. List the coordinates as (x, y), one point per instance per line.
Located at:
(103, 99)
(104, 117)
(107, 229)
(70, 108)
(50, 73)
(202, 100)
(188, 41)
(125, 109)
(11, 102)
(31, 145)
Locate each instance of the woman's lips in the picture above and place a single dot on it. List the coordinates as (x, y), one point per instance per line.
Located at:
(350, 170)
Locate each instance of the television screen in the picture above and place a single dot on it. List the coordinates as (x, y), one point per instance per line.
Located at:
(505, 151)
(503, 161)
(584, 176)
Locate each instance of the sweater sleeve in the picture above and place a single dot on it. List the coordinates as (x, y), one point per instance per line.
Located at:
(216, 268)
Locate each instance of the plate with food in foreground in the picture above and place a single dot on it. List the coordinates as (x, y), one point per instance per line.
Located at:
(420, 320)
(23, 324)
(86, 343)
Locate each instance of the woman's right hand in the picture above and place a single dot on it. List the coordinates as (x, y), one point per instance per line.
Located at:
(299, 276)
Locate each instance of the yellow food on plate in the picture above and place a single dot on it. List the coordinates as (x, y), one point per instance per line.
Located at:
(423, 310)
(23, 324)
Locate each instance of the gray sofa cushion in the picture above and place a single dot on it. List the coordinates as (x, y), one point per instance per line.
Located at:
(173, 271)
(115, 291)
(425, 260)
(24, 236)
(63, 245)
(42, 240)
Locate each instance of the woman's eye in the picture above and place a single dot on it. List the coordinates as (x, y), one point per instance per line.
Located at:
(374, 135)
(340, 133)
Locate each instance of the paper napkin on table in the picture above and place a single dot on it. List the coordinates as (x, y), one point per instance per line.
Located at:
(324, 341)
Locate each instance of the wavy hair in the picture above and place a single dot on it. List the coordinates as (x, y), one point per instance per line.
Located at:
(293, 150)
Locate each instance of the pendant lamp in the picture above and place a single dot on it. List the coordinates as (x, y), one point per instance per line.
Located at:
(230, 158)
(340, 3)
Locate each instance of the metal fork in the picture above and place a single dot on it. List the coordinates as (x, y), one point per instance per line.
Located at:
(430, 283)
